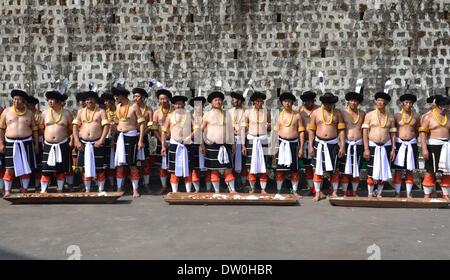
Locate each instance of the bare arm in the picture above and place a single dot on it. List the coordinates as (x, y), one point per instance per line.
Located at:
(75, 132)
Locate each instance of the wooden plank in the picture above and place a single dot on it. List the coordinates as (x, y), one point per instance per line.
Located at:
(231, 199)
(389, 202)
(66, 198)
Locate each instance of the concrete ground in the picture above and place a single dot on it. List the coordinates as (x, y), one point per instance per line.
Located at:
(149, 228)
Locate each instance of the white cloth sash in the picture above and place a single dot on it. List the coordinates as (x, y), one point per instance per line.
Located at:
(20, 160)
(222, 157)
(406, 149)
(381, 168)
(238, 154)
(285, 153)
(352, 150)
(89, 159)
(258, 164)
(323, 146)
(444, 157)
(201, 160)
(181, 159)
(120, 157)
(55, 156)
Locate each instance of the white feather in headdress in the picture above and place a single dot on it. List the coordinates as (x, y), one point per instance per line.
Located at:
(387, 86)
(359, 85)
(63, 86)
(321, 82)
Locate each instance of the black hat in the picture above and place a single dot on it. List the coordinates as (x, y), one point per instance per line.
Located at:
(18, 92)
(90, 94)
(354, 96)
(164, 91)
(237, 95)
(120, 91)
(432, 98)
(308, 95)
(56, 95)
(81, 96)
(329, 98)
(198, 98)
(408, 96)
(257, 95)
(177, 98)
(287, 95)
(107, 96)
(140, 91)
(32, 100)
(383, 95)
(442, 100)
(215, 94)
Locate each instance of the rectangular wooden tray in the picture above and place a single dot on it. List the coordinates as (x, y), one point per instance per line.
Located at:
(389, 202)
(67, 198)
(230, 199)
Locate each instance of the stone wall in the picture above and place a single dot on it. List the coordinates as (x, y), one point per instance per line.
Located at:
(187, 44)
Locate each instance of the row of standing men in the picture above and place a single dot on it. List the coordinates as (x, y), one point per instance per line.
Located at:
(110, 137)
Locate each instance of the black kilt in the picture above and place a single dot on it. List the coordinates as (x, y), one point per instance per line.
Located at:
(146, 147)
(432, 163)
(172, 157)
(194, 158)
(416, 157)
(249, 148)
(8, 156)
(212, 152)
(371, 161)
(306, 161)
(99, 154)
(130, 149)
(333, 149)
(61, 167)
(342, 161)
(158, 157)
(107, 151)
(293, 143)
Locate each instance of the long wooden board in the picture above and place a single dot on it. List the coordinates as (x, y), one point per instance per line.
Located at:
(67, 198)
(389, 202)
(231, 199)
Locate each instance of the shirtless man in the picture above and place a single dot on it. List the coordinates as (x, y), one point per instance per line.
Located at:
(90, 129)
(37, 172)
(308, 98)
(257, 128)
(20, 132)
(434, 131)
(291, 138)
(56, 124)
(130, 139)
(349, 165)
(140, 96)
(159, 118)
(237, 116)
(110, 109)
(378, 135)
(218, 142)
(178, 125)
(407, 158)
(196, 158)
(327, 128)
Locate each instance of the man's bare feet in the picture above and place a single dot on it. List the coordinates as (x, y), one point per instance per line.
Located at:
(87, 191)
(397, 195)
(426, 196)
(446, 197)
(316, 197)
(7, 194)
(409, 196)
(23, 190)
(334, 194)
(379, 196)
(163, 190)
(136, 194)
(263, 192)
